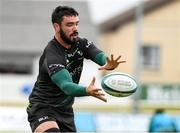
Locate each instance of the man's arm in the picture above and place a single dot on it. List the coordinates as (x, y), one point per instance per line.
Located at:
(64, 81)
(100, 59)
(106, 63)
(111, 63)
(98, 56)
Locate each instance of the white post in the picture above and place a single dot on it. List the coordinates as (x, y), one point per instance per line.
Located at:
(138, 41)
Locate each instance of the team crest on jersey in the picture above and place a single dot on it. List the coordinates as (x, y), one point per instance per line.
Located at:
(80, 53)
(77, 51)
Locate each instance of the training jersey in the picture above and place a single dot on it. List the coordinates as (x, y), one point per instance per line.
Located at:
(55, 57)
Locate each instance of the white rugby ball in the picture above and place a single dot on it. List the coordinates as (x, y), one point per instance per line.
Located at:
(119, 84)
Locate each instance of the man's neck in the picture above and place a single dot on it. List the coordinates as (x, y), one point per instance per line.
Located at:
(61, 42)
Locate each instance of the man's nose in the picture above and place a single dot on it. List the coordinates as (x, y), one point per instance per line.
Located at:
(75, 27)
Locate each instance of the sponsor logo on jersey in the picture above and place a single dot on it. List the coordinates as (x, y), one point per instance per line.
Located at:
(55, 66)
(43, 118)
(76, 71)
(88, 44)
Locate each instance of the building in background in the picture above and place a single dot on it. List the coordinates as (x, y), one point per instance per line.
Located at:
(159, 50)
(25, 29)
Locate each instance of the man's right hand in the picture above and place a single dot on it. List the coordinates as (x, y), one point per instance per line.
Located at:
(92, 90)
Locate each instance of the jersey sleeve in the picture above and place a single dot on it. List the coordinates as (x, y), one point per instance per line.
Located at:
(89, 49)
(64, 81)
(54, 60)
(92, 52)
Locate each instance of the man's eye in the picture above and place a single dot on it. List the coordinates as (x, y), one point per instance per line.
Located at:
(69, 25)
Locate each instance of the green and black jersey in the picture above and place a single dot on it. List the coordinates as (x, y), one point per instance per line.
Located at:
(60, 70)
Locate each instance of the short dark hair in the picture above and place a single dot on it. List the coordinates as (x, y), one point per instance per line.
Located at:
(61, 11)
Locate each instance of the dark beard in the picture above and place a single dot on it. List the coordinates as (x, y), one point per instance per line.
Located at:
(66, 39)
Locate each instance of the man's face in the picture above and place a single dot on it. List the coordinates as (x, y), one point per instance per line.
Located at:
(69, 29)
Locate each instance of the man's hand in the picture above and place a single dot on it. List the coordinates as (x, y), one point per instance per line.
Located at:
(111, 64)
(92, 90)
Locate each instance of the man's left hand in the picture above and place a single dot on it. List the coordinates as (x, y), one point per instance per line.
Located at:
(112, 63)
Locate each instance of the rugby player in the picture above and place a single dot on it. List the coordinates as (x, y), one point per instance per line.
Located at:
(60, 66)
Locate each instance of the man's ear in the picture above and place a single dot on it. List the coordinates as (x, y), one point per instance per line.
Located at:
(56, 27)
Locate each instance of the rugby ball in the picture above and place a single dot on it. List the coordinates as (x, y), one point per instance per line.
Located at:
(119, 84)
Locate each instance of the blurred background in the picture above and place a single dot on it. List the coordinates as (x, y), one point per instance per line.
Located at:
(145, 32)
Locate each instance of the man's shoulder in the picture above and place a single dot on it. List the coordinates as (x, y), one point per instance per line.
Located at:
(83, 42)
(51, 44)
(52, 47)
